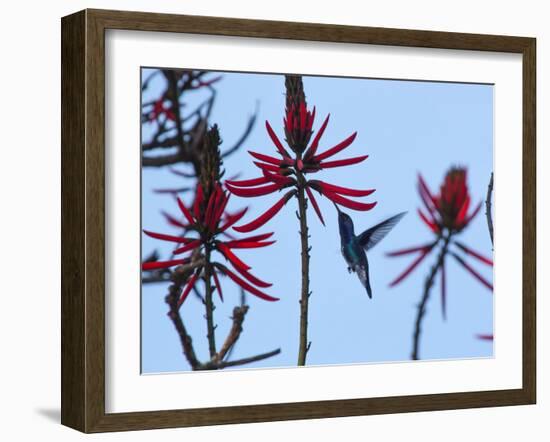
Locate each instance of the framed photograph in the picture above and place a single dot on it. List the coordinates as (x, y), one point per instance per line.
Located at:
(265, 221)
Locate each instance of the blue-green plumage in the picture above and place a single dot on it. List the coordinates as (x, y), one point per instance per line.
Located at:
(354, 247)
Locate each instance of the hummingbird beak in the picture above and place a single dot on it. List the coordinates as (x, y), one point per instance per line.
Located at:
(335, 205)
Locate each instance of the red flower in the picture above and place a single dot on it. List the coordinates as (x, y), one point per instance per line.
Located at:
(209, 219)
(446, 215)
(288, 171)
(159, 109)
(449, 209)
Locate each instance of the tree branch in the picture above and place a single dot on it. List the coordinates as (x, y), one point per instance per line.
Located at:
(179, 277)
(249, 360)
(238, 318)
(488, 208)
(244, 136)
(427, 286)
(209, 305)
(304, 297)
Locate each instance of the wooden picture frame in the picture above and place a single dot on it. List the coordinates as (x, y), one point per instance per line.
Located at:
(83, 220)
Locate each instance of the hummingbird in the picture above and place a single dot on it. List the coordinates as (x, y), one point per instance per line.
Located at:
(354, 247)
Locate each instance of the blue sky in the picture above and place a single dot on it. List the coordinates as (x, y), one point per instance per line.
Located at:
(405, 127)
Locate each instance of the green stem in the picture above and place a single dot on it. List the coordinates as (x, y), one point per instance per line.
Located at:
(304, 298)
(427, 286)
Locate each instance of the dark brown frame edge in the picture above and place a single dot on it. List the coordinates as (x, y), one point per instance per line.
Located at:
(83, 216)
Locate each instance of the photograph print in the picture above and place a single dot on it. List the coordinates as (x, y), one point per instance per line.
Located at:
(299, 220)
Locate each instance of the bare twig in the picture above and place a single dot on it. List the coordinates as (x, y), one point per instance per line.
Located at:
(244, 136)
(238, 318)
(488, 208)
(244, 361)
(179, 277)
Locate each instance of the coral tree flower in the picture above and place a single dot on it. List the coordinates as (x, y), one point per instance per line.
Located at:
(160, 109)
(210, 224)
(446, 215)
(288, 170)
(209, 219)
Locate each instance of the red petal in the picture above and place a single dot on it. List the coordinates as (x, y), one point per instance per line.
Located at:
(220, 210)
(409, 269)
(155, 265)
(428, 199)
(303, 113)
(219, 206)
(472, 215)
(265, 158)
(261, 237)
(232, 219)
(278, 178)
(345, 162)
(248, 192)
(198, 201)
(232, 258)
(190, 246)
(173, 221)
(218, 285)
(172, 238)
(342, 190)
(355, 205)
(170, 114)
(248, 244)
(254, 280)
(475, 254)
(268, 167)
(485, 337)
(275, 140)
(424, 248)
(210, 207)
(315, 205)
(185, 212)
(202, 83)
(249, 183)
(245, 285)
(334, 150)
(311, 119)
(266, 216)
(473, 272)
(431, 225)
(463, 210)
(315, 143)
(188, 287)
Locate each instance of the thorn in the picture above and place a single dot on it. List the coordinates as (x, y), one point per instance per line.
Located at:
(308, 346)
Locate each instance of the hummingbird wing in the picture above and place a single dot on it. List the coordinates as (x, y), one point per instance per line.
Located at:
(370, 237)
